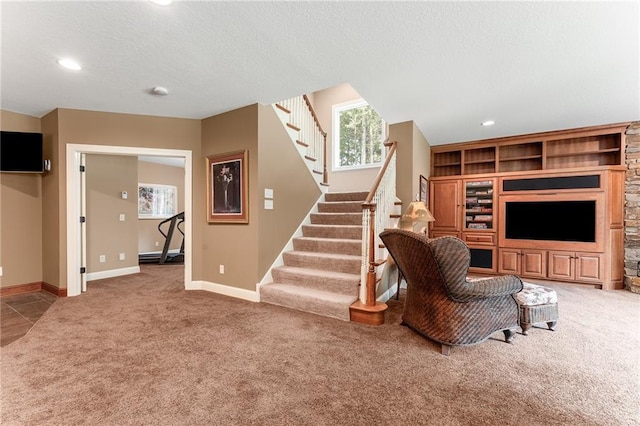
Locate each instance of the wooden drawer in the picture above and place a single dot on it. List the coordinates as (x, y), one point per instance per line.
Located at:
(479, 239)
(436, 234)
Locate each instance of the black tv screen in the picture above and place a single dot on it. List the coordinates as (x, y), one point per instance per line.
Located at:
(21, 152)
(551, 220)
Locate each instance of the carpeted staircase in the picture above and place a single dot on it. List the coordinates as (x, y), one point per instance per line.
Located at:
(322, 273)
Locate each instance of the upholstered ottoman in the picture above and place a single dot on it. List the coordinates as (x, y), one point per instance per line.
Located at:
(537, 304)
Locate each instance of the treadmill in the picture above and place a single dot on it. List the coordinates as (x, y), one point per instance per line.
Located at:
(175, 222)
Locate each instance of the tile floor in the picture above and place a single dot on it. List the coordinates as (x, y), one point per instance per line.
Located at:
(19, 312)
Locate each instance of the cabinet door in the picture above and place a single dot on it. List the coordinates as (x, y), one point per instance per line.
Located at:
(445, 203)
(561, 265)
(588, 267)
(509, 261)
(534, 263)
(483, 259)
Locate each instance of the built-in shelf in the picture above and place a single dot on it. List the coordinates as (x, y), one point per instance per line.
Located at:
(478, 212)
(596, 152)
(521, 158)
(585, 147)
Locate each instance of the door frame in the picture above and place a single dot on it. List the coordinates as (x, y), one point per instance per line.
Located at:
(73, 186)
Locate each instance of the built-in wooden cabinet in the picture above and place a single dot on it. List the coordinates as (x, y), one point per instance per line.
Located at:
(445, 202)
(575, 266)
(479, 204)
(584, 147)
(475, 187)
(526, 262)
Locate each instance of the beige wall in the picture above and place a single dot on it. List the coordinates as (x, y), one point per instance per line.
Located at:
(346, 180)
(102, 128)
(233, 245)
(107, 176)
(51, 204)
(282, 169)
(148, 234)
(421, 157)
(20, 214)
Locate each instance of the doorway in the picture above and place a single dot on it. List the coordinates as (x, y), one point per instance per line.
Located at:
(75, 244)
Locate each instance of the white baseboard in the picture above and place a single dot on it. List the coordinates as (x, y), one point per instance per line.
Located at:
(112, 273)
(239, 293)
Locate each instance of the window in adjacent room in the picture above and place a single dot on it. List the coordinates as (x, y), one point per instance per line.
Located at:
(358, 136)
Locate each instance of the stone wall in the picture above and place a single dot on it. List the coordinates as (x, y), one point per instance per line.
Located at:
(632, 209)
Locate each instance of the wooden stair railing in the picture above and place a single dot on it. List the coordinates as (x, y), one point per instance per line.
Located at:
(376, 211)
(313, 138)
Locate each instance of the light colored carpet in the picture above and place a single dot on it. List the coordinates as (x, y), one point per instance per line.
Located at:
(140, 350)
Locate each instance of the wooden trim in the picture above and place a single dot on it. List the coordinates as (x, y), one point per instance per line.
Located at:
(21, 289)
(283, 108)
(32, 288)
(293, 126)
(60, 292)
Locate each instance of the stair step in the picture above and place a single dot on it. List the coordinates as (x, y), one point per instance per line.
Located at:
(283, 108)
(323, 261)
(308, 300)
(351, 232)
(346, 196)
(340, 207)
(328, 245)
(331, 281)
(336, 218)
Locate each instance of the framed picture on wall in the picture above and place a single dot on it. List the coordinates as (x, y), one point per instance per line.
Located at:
(157, 201)
(227, 188)
(424, 189)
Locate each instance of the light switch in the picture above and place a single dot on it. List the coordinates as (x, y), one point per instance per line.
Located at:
(268, 204)
(121, 217)
(268, 193)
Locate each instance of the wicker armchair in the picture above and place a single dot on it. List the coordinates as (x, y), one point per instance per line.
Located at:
(441, 303)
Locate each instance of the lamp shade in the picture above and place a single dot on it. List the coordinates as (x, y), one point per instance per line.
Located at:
(417, 212)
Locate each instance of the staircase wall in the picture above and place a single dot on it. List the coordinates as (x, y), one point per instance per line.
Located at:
(282, 169)
(248, 250)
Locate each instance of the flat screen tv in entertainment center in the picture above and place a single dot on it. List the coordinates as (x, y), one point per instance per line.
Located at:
(561, 221)
(571, 221)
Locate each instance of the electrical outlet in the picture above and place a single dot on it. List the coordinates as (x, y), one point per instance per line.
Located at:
(157, 244)
(222, 269)
(121, 256)
(103, 258)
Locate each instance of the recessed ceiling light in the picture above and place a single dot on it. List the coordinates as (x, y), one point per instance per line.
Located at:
(161, 2)
(69, 64)
(160, 91)
(488, 123)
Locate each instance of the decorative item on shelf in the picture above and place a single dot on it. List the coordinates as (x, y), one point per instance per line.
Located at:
(416, 213)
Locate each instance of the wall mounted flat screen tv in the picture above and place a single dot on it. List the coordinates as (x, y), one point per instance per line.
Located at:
(551, 220)
(21, 152)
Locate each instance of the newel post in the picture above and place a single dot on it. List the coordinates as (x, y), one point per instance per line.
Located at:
(371, 273)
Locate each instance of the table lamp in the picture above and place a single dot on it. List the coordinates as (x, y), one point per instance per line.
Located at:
(416, 213)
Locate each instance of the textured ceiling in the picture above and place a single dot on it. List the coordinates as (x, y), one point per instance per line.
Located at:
(530, 66)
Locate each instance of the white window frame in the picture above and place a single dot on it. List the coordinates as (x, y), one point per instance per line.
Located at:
(336, 110)
(158, 209)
